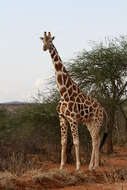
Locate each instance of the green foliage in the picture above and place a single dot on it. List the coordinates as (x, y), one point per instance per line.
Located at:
(102, 71)
(30, 129)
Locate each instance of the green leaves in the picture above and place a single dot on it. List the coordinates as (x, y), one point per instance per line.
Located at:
(102, 71)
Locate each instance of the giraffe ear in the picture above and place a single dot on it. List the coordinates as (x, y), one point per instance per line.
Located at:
(53, 38)
(41, 38)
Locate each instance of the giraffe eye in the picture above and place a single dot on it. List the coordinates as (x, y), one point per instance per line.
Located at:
(41, 38)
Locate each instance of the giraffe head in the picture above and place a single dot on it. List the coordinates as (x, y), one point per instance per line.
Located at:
(47, 40)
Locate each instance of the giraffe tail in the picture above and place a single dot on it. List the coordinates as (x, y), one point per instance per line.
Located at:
(105, 133)
(103, 140)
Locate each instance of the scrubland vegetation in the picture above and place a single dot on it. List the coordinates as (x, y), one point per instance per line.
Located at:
(30, 134)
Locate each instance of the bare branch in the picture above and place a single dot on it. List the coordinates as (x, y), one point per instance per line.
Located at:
(121, 92)
(123, 101)
(123, 112)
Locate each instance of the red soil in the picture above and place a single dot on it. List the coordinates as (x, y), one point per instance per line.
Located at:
(101, 179)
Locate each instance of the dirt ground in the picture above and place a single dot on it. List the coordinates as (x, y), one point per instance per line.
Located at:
(112, 175)
(117, 186)
(116, 161)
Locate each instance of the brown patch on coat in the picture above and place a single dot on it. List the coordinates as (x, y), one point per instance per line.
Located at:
(63, 109)
(69, 119)
(82, 113)
(58, 108)
(81, 97)
(64, 70)
(95, 104)
(91, 109)
(86, 116)
(68, 83)
(72, 98)
(78, 100)
(64, 78)
(83, 107)
(58, 66)
(65, 95)
(67, 99)
(79, 107)
(70, 91)
(85, 96)
(67, 113)
(89, 98)
(52, 55)
(75, 108)
(78, 116)
(88, 103)
(74, 87)
(59, 79)
(56, 58)
(64, 104)
(72, 114)
(70, 104)
(62, 91)
(78, 90)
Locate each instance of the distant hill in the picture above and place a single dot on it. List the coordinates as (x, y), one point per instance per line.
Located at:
(13, 103)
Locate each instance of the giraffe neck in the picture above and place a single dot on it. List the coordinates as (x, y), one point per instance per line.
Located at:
(66, 85)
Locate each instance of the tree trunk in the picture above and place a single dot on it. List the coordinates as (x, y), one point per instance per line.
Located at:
(124, 115)
(109, 144)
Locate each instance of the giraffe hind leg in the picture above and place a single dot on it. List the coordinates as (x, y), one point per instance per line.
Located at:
(64, 127)
(74, 131)
(97, 152)
(91, 165)
(94, 132)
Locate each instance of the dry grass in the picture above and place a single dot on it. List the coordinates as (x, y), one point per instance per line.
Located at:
(115, 175)
(18, 163)
(22, 172)
(6, 180)
(40, 179)
(53, 179)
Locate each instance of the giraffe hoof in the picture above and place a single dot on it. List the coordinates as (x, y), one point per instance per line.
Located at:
(78, 167)
(61, 167)
(95, 167)
(91, 168)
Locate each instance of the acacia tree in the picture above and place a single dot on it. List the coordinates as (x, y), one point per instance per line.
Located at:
(102, 73)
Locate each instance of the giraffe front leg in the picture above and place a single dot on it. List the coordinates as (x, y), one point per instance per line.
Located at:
(91, 165)
(64, 127)
(97, 152)
(94, 162)
(92, 130)
(74, 130)
(63, 152)
(76, 144)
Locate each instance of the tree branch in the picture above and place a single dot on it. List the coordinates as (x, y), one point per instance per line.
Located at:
(123, 101)
(121, 92)
(123, 112)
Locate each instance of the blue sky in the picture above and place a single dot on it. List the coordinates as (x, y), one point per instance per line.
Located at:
(24, 67)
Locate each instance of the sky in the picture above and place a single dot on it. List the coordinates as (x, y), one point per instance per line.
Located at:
(24, 67)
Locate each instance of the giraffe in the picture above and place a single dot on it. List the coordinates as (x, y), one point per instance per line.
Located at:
(73, 108)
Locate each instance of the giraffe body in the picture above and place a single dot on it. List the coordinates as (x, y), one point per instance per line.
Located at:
(73, 108)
